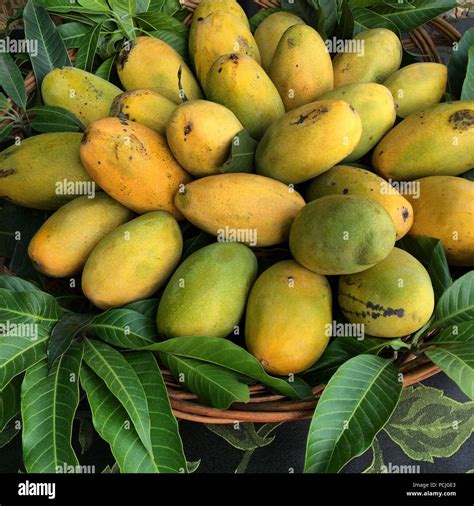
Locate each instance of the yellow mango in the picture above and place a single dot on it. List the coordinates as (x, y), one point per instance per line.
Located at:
(62, 244)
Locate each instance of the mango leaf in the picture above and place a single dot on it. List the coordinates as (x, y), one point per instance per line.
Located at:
(302, 9)
(345, 25)
(160, 21)
(355, 405)
(87, 49)
(467, 92)
(49, 118)
(73, 33)
(328, 14)
(12, 81)
(17, 284)
(242, 154)
(10, 401)
(469, 175)
(256, 19)
(428, 425)
(365, 19)
(85, 433)
(124, 10)
(365, 3)
(105, 68)
(5, 131)
(147, 307)
(95, 5)
(377, 465)
(458, 62)
(170, 7)
(242, 436)
(177, 41)
(195, 243)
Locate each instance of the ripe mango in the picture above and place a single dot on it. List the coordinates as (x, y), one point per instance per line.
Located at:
(380, 56)
(269, 33)
(247, 208)
(146, 107)
(307, 141)
(301, 68)
(85, 95)
(341, 234)
(445, 210)
(346, 180)
(44, 171)
(62, 244)
(133, 164)
(238, 82)
(392, 299)
(200, 135)
(376, 109)
(287, 319)
(132, 262)
(147, 62)
(435, 142)
(417, 87)
(206, 295)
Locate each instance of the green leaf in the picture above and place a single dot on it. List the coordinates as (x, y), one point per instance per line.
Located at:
(170, 7)
(302, 9)
(105, 68)
(377, 465)
(160, 21)
(195, 243)
(467, 92)
(10, 401)
(17, 284)
(73, 33)
(95, 5)
(49, 118)
(428, 425)
(124, 10)
(365, 19)
(193, 466)
(328, 14)
(86, 431)
(5, 131)
(147, 307)
(242, 154)
(12, 81)
(256, 19)
(87, 49)
(345, 26)
(177, 41)
(48, 405)
(365, 3)
(242, 436)
(8, 434)
(5, 104)
(355, 405)
(458, 62)
(469, 175)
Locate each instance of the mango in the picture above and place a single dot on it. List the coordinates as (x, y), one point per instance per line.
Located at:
(307, 141)
(132, 262)
(376, 109)
(147, 62)
(85, 95)
(392, 299)
(240, 84)
(207, 293)
(62, 244)
(288, 317)
(301, 68)
(241, 207)
(44, 171)
(445, 210)
(200, 135)
(133, 164)
(341, 234)
(146, 107)
(377, 54)
(436, 142)
(417, 87)
(346, 180)
(269, 33)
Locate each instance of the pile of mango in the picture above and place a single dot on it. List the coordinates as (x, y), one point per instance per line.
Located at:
(155, 154)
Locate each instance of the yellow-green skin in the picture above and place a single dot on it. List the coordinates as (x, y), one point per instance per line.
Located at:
(436, 142)
(269, 33)
(341, 234)
(417, 87)
(244, 204)
(376, 109)
(146, 107)
(32, 173)
(151, 63)
(287, 319)
(308, 141)
(200, 135)
(62, 244)
(207, 293)
(86, 95)
(346, 180)
(380, 57)
(219, 34)
(239, 83)
(134, 261)
(133, 164)
(392, 299)
(445, 210)
(301, 68)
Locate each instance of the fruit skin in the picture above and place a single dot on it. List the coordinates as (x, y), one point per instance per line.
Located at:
(287, 318)
(392, 299)
(146, 107)
(341, 234)
(445, 210)
(92, 95)
(133, 164)
(308, 141)
(239, 83)
(206, 295)
(376, 109)
(151, 63)
(62, 244)
(31, 171)
(382, 57)
(301, 68)
(346, 180)
(436, 142)
(243, 203)
(417, 86)
(132, 262)
(200, 135)
(269, 33)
